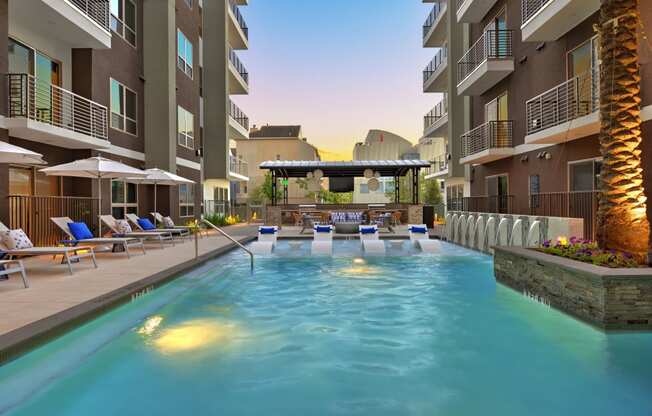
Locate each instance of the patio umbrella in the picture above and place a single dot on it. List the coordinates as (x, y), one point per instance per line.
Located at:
(95, 168)
(14, 154)
(156, 176)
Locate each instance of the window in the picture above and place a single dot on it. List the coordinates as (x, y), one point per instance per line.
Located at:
(364, 188)
(123, 19)
(185, 128)
(584, 175)
(498, 192)
(123, 108)
(189, 3)
(535, 190)
(184, 53)
(124, 198)
(186, 200)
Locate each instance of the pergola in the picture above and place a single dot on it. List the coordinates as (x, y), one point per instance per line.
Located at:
(387, 168)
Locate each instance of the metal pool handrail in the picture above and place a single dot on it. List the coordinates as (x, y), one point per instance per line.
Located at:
(221, 231)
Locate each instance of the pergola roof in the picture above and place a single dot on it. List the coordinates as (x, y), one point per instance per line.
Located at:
(353, 168)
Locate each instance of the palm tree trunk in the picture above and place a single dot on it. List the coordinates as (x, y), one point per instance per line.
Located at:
(621, 221)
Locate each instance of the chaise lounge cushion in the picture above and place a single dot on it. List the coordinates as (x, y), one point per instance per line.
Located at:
(323, 228)
(146, 224)
(80, 231)
(123, 227)
(16, 240)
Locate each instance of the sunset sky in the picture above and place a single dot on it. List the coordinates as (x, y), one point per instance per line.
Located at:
(338, 68)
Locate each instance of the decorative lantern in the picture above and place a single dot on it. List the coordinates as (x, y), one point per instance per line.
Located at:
(368, 173)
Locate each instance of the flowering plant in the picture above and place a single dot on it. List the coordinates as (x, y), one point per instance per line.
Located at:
(588, 251)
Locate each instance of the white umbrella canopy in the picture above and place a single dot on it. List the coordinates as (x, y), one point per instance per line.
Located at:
(156, 176)
(14, 154)
(96, 167)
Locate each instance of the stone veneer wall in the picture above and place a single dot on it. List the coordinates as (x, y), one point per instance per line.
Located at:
(607, 298)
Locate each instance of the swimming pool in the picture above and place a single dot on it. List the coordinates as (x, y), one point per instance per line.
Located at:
(400, 334)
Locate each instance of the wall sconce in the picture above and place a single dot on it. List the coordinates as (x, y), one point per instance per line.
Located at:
(547, 155)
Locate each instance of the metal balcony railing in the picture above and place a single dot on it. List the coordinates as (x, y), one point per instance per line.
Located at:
(436, 62)
(238, 115)
(439, 164)
(531, 7)
(239, 67)
(437, 113)
(239, 166)
(39, 100)
(239, 19)
(502, 204)
(96, 10)
(490, 135)
(577, 97)
(493, 44)
(434, 13)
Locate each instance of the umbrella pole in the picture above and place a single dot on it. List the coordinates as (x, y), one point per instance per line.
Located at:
(155, 211)
(99, 208)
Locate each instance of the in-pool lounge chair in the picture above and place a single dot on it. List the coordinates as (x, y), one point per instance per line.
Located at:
(420, 237)
(267, 236)
(120, 244)
(370, 240)
(145, 225)
(322, 242)
(160, 237)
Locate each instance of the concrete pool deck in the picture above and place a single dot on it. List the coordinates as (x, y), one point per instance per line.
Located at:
(56, 300)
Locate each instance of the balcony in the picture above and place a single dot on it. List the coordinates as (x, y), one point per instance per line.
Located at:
(472, 11)
(434, 29)
(487, 62)
(566, 112)
(435, 76)
(488, 142)
(41, 112)
(548, 20)
(436, 119)
(238, 30)
(238, 122)
(439, 167)
(238, 75)
(238, 169)
(76, 23)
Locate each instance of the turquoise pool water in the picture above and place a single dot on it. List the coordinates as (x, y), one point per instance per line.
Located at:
(397, 335)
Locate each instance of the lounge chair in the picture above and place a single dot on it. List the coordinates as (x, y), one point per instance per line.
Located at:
(370, 240)
(158, 218)
(266, 240)
(160, 237)
(322, 239)
(119, 243)
(139, 223)
(68, 254)
(420, 237)
(18, 267)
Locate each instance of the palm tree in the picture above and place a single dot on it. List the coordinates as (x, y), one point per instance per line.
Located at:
(621, 221)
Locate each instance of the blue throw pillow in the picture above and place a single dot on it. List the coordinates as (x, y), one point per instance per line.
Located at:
(80, 231)
(146, 224)
(323, 228)
(267, 230)
(368, 230)
(420, 230)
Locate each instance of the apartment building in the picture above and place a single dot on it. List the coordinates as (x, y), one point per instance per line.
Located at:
(532, 71)
(380, 145)
(449, 118)
(129, 80)
(273, 142)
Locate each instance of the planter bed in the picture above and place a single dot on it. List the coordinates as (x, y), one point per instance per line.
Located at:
(610, 298)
